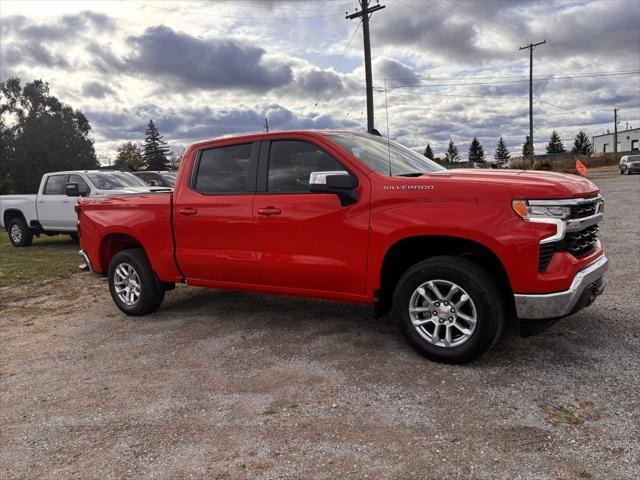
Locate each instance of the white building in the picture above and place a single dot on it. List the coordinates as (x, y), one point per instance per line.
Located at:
(628, 141)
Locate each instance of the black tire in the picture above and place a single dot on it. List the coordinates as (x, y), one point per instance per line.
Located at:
(151, 289)
(480, 287)
(22, 235)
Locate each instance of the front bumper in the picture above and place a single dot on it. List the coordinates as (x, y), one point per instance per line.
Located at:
(586, 286)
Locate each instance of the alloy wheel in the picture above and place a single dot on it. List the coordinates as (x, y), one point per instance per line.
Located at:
(16, 233)
(443, 313)
(127, 284)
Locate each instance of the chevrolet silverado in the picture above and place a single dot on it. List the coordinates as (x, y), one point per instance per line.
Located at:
(355, 217)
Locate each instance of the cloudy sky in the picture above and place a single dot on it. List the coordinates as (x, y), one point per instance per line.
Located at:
(202, 69)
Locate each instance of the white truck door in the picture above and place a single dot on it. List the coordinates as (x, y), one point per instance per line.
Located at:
(50, 202)
(69, 216)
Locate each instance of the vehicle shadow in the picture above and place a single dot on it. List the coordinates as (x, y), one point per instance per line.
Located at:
(299, 318)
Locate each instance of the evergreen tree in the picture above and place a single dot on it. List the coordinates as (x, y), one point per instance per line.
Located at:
(155, 151)
(582, 144)
(39, 134)
(528, 149)
(555, 144)
(129, 157)
(476, 152)
(452, 154)
(174, 160)
(502, 154)
(428, 152)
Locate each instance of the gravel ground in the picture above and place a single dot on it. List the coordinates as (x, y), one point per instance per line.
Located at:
(232, 385)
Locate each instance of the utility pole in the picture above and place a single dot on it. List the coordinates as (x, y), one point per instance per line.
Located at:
(615, 132)
(531, 46)
(266, 125)
(365, 12)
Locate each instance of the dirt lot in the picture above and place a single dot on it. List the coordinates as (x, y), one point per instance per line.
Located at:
(231, 385)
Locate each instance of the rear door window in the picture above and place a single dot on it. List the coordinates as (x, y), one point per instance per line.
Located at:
(56, 185)
(223, 170)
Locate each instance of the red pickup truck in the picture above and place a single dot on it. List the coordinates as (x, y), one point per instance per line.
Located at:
(350, 216)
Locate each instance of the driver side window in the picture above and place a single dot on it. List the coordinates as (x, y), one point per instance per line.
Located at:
(83, 188)
(292, 161)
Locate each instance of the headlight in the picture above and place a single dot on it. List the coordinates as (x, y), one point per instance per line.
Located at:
(528, 212)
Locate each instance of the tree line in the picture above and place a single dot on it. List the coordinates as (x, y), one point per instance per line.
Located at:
(581, 145)
(39, 134)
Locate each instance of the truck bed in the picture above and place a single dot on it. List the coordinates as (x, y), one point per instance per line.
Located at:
(26, 204)
(108, 223)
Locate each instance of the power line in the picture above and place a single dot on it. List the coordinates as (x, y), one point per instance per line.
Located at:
(523, 77)
(516, 81)
(344, 52)
(461, 95)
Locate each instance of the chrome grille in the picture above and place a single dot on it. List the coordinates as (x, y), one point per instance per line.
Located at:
(585, 209)
(582, 242)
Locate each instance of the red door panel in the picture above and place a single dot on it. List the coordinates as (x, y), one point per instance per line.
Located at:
(216, 242)
(213, 215)
(313, 243)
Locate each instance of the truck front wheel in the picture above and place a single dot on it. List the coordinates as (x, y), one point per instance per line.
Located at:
(133, 284)
(449, 309)
(19, 232)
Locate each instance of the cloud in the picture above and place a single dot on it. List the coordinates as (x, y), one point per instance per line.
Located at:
(395, 72)
(434, 35)
(26, 42)
(187, 125)
(189, 62)
(200, 75)
(64, 30)
(32, 52)
(97, 90)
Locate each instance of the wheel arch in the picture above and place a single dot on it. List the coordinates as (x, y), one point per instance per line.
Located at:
(406, 252)
(11, 214)
(113, 243)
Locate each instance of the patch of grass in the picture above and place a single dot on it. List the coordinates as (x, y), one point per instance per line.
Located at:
(48, 258)
(568, 415)
(562, 415)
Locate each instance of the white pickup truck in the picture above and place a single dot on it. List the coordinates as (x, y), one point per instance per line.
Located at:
(51, 211)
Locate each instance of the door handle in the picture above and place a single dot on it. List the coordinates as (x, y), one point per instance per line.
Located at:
(268, 211)
(187, 211)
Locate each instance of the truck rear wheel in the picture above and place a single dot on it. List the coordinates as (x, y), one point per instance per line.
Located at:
(133, 284)
(449, 309)
(19, 232)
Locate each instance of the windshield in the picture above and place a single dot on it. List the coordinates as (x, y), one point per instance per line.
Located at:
(379, 155)
(169, 178)
(114, 180)
(130, 180)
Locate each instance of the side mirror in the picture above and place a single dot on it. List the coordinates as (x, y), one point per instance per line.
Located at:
(73, 189)
(340, 183)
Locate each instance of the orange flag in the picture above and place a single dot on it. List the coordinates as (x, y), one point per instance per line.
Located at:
(581, 167)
